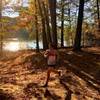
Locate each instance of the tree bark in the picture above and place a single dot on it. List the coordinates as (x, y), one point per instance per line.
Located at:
(1, 37)
(98, 14)
(62, 23)
(36, 28)
(77, 41)
(47, 22)
(52, 7)
(45, 42)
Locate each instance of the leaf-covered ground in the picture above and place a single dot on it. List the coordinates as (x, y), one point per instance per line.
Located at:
(23, 73)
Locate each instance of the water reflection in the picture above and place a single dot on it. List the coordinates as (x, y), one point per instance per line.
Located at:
(12, 46)
(20, 45)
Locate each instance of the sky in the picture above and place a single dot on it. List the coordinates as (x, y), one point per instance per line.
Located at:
(9, 11)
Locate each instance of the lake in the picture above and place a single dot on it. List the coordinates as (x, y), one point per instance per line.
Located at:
(15, 45)
(20, 45)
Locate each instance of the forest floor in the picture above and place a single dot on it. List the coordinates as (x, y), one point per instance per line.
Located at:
(23, 73)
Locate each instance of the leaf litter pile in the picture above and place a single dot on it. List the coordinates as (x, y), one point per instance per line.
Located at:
(23, 74)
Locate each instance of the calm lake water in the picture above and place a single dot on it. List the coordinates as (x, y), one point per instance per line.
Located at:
(20, 45)
(15, 45)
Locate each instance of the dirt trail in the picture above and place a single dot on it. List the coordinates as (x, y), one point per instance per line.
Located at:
(22, 76)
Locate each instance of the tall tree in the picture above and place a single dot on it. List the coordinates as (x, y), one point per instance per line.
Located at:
(62, 23)
(1, 37)
(45, 8)
(52, 7)
(98, 14)
(36, 28)
(77, 42)
(44, 37)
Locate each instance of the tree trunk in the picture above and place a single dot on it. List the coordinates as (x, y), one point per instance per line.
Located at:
(45, 42)
(1, 37)
(98, 14)
(70, 34)
(36, 29)
(62, 23)
(77, 42)
(47, 22)
(52, 7)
